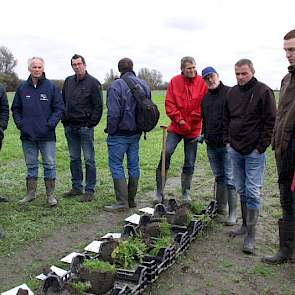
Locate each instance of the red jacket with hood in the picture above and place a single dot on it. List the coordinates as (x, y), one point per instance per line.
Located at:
(183, 102)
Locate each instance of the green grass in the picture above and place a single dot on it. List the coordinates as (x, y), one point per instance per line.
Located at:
(35, 221)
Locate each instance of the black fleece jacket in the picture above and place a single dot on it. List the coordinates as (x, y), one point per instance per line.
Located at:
(83, 101)
(249, 117)
(212, 115)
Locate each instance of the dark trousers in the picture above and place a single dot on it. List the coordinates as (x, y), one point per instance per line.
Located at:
(285, 168)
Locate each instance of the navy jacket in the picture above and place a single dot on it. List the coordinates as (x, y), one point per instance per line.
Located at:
(36, 111)
(4, 108)
(121, 105)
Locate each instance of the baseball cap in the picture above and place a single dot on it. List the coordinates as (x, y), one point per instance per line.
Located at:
(207, 71)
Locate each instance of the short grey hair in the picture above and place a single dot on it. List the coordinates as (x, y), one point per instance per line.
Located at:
(247, 62)
(30, 60)
(187, 59)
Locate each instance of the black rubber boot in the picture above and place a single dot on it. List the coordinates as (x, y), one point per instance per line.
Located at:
(221, 198)
(243, 228)
(50, 188)
(286, 252)
(159, 195)
(31, 184)
(132, 190)
(2, 233)
(186, 181)
(249, 241)
(121, 192)
(232, 207)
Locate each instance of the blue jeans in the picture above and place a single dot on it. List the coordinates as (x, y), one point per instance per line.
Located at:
(81, 138)
(31, 152)
(118, 146)
(248, 176)
(190, 152)
(221, 165)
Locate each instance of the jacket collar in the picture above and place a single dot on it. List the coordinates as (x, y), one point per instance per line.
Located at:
(291, 69)
(42, 78)
(130, 73)
(248, 85)
(84, 77)
(217, 89)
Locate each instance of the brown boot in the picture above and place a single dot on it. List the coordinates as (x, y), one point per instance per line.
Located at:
(73, 192)
(87, 197)
(50, 187)
(31, 184)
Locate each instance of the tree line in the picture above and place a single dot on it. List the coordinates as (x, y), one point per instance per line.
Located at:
(10, 80)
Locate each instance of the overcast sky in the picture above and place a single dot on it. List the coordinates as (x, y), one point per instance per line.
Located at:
(154, 33)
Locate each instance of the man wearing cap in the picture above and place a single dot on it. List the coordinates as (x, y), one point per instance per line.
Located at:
(4, 116)
(249, 117)
(82, 95)
(123, 136)
(219, 158)
(183, 107)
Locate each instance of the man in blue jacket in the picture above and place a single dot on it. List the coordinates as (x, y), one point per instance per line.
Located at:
(123, 136)
(37, 108)
(4, 116)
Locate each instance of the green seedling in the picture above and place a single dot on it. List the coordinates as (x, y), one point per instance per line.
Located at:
(163, 242)
(80, 287)
(100, 265)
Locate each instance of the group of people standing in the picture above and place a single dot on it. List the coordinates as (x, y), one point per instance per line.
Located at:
(237, 124)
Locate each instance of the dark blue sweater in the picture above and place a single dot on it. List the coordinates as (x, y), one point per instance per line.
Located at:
(37, 110)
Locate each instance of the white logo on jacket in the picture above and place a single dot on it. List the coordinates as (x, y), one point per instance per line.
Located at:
(43, 96)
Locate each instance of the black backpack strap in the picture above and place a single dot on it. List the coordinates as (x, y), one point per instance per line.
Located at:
(129, 83)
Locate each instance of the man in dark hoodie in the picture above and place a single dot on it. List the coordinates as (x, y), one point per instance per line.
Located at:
(4, 116)
(123, 136)
(37, 108)
(219, 158)
(249, 117)
(283, 143)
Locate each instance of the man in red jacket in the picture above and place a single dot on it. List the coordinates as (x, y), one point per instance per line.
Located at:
(183, 107)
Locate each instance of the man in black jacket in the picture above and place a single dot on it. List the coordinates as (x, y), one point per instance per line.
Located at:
(249, 117)
(283, 143)
(83, 100)
(219, 158)
(4, 116)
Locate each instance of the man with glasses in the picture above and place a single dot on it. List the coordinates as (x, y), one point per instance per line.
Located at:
(82, 95)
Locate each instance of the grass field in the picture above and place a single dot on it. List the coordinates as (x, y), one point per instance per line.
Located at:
(33, 222)
(30, 225)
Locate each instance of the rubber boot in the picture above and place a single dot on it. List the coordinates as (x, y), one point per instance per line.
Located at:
(249, 241)
(243, 228)
(232, 207)
(3, 199)
(186, 181)
(159, 195)
(50, 187)
(221, 198)
(286, 252)
(2, 233)
(121, 192)
(132, 190)
(31, 184)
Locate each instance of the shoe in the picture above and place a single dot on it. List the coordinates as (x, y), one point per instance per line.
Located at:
(243, 228)
(50, 188)
(31, 184)
(72, 193)
(87, 197)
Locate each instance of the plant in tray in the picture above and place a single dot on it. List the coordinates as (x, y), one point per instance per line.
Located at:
(129, 252)
(80, 288)
(100, 274)
(163, 242)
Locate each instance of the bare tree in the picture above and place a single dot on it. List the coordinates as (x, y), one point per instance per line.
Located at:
(7, 61)
(109, 78)
(152, 77)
